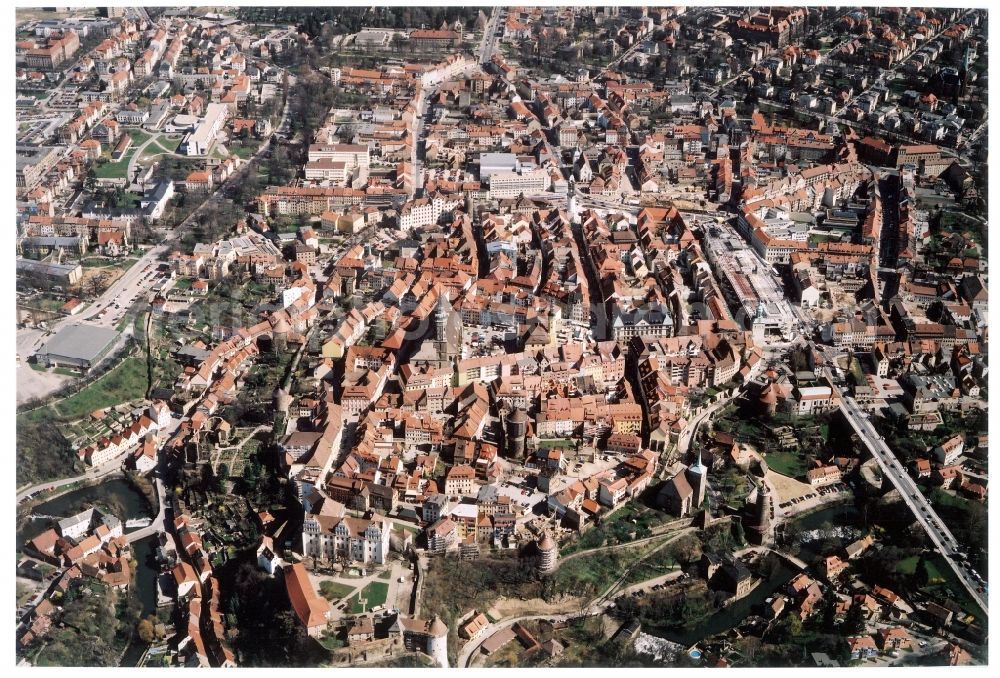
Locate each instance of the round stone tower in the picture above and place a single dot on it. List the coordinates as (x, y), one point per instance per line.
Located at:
(282, 401)
(517, 429)
(549, 551)
(437, 638)
(280, 334)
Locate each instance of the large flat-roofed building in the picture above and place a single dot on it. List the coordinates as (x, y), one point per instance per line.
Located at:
(338, 163)
(77, 346)
(201, 140)
(32, 164)
(514, 184)
(491, 163)
(59, 274)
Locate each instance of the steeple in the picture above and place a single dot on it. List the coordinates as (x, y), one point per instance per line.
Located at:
(697, 475)
(441, 314)
(698, 467)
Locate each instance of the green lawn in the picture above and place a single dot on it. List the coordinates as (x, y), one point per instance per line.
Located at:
(138, 137)
(945, 582)
(789, 464)
(629, 523)
(162, 146)
(243, 152)
(908, 565)
(152, 151)
(46, 303)
(168, 145)
(556, 443)
(114, 170)
(856, 372)
(592, 574)
(940, 497)
(331, 590)
(387, 574)
(125, 382)
(936, 570)
(331, 642)
(124, 322)
(108, 262)
(374, 595)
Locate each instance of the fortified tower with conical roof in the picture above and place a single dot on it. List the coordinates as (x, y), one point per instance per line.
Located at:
(549, 551)
(282, 401)
(280, 335)
(758, 517)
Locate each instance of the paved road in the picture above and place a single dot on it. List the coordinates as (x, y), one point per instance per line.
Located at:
(156, 526)
(928, 519)
(488, 44)
(657, 533)
(94, 473)
(132, 285)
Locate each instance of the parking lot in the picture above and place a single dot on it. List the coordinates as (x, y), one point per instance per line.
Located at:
(522, 489)
(818, 494)
(485, 341)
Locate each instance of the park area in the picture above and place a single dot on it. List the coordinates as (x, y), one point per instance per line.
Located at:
(106, 168)
(786, 462)
(630, 522)
(370, 597)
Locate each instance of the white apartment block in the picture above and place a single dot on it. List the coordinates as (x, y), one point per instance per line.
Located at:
(338, 163)
(513, 184)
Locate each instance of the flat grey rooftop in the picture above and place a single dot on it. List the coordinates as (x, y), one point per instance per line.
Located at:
(82, 342)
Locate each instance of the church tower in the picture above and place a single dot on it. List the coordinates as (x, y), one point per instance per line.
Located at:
(698, 478)
(441, 313)
(963, 74)
(447, 331)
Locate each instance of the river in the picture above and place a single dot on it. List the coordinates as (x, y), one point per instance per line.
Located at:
(144, 553)
(116, 494)
(731, 616)
(843, 517)
(126, 502)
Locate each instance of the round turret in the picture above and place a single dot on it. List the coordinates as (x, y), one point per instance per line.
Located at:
(517, 429)
(549, 551)
(282, 401)
(438, 627)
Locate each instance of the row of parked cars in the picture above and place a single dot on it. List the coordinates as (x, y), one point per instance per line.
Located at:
(32, 495)
(797, 500)
(832, 489)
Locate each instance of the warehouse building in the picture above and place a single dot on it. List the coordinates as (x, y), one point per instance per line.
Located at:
(78, 346)
(41, 273)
